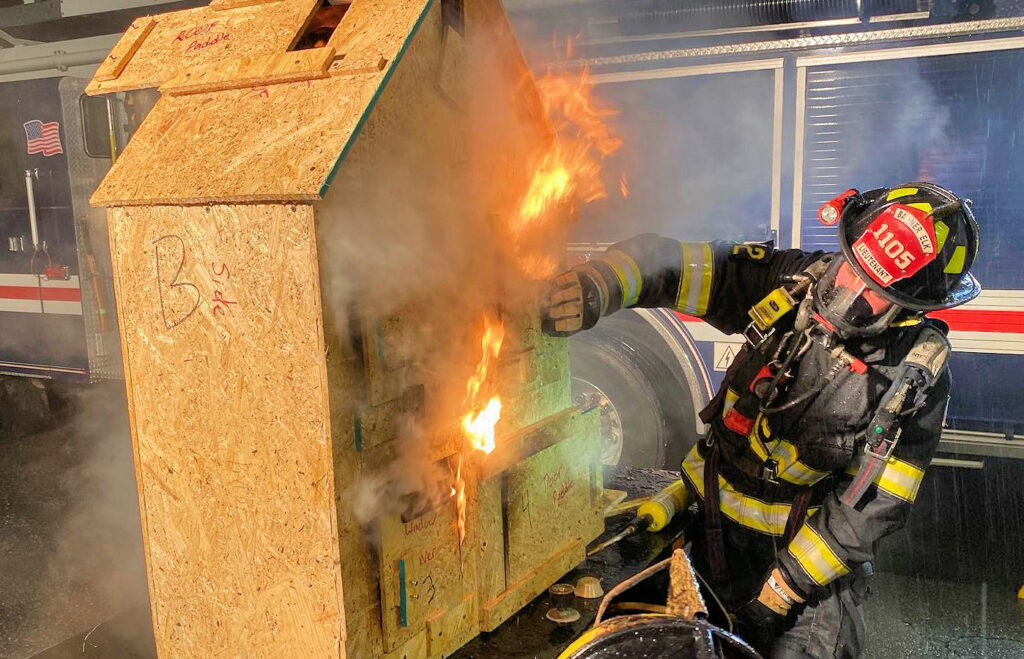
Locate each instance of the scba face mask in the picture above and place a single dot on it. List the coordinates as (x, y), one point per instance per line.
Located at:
(849, 305)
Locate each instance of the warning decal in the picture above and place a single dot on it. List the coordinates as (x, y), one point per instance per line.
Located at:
(724, 354)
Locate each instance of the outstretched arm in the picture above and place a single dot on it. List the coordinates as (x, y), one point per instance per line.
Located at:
(717, 281)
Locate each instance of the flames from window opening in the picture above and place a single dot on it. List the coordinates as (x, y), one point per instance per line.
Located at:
(569, 171)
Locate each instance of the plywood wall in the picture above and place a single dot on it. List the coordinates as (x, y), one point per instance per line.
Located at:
(219, 309)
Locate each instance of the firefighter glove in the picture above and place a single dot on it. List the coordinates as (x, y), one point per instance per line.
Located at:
(758, 625)
(573, 303)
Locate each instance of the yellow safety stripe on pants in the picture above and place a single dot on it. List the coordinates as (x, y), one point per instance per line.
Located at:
(628, 273)
(815, 556)
(745, 510)
(900, 479)
(695, 278)
(785, 454)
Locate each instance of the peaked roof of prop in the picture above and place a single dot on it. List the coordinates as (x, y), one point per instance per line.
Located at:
(241, 117)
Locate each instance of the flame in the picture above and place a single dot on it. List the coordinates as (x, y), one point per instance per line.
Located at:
(459, 492)
(490, 343)
(624, 186)
(479, 426)
(569, 169)
(566, 171)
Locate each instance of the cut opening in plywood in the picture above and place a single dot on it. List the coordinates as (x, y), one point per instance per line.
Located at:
(323, 24)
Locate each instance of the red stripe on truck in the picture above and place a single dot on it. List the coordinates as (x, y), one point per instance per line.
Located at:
(960, 320)
(34, 292)
(981, 320)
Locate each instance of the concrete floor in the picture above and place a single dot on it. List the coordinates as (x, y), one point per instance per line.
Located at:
(70, 541)
(71, 555)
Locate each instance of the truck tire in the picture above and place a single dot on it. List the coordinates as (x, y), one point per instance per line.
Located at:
(624, 367)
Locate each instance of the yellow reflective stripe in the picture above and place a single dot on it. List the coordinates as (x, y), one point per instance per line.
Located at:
(922, 205)
(730, 401)
(706, 277)
(899, 479)
(941, 233)
(955, 265)
(685, 275)
(815, 556)
(745, 510)
(695, 277)
(907, 322)
(900, 192)
(791, 469)
(628, 273)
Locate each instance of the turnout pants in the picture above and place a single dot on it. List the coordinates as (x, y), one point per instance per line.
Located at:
(829, 625)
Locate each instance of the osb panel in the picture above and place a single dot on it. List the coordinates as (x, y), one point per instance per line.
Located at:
(374, 26)
(204, 36)
(549, 500)
(126, 47)
(436, 578)
(231, 4)
(253, 72)
(271, 143)
(219, 310)
(520, 593)
(261, 144)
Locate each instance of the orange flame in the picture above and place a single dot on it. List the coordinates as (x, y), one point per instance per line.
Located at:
(490, 342)
(479, 426)
(570, 169)
(459, 492)
(624, 186)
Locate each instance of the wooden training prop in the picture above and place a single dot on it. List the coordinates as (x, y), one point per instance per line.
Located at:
(302, 244)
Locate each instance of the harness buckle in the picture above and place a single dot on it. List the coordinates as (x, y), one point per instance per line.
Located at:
(770, 471)
(883, 449)
(757, 337)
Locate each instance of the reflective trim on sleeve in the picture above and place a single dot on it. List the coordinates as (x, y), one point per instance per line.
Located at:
(815, 557)
(628, 273)
(900, 479)
(695, 278)
(745, 510)
(785, 454)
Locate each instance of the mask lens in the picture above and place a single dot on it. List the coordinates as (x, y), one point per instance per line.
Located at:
(846, 301)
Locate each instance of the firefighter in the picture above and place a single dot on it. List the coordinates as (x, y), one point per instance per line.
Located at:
(819, 436)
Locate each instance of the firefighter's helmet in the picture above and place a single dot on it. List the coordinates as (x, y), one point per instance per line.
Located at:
(913, 245)
(909, 247)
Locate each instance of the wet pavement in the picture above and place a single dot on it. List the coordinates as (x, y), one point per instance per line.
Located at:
(70, 542)
(72, 581)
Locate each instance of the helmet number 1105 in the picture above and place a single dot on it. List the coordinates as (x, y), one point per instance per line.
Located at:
(893, 248)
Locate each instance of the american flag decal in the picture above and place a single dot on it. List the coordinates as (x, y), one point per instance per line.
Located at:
(43, 138)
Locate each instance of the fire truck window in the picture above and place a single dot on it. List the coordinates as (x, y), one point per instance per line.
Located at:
(323, 24)
(95, 127)
(137, 105)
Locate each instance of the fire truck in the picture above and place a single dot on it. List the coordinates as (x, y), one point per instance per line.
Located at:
(739, 120)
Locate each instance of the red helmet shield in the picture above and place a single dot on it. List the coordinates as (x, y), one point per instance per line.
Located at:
(896, 244)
